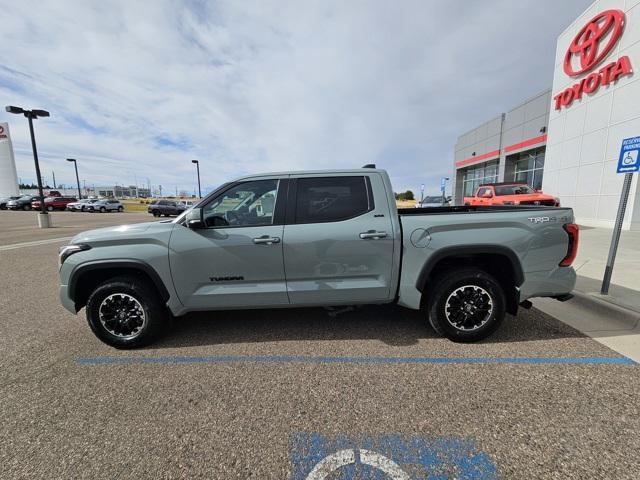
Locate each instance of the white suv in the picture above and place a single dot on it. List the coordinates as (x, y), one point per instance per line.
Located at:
(106, 205)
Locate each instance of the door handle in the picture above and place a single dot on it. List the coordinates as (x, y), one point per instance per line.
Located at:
(266, 240)
(373, 235)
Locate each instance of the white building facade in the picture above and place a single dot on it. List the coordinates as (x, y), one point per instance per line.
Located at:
(8, 173)
(595, 104)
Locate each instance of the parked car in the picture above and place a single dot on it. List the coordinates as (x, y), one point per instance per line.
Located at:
(53, 203)
(105, 205)
(81, 205)
(166, 208)
(22, 203)
(431, 202)
(54, 193)
(510, 193)
(331, 238)
(4, 201)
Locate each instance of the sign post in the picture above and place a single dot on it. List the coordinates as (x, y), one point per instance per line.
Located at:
(443, 187)
(627, 164)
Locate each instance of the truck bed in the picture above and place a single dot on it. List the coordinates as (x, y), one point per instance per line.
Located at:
(472, 209)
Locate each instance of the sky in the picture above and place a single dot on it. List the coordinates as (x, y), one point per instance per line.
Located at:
(137, 89)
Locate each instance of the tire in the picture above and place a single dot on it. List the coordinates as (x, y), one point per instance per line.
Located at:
(103, 210)
(120, 209)
(131, 294)
(26, 208)
(50, 208)
(458, 300)
(155, 214)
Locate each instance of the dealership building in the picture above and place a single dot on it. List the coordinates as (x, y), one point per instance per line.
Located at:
(567, 140)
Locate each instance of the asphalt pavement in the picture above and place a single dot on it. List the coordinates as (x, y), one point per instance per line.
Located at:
(299, 394)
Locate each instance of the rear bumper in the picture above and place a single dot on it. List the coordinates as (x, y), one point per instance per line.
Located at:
(557, 283)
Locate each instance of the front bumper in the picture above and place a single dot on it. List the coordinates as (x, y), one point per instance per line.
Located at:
(66, 302)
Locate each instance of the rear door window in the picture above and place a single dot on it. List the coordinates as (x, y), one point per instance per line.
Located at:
(331, 199)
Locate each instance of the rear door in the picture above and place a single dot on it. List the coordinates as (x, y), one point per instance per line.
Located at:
(338, 242)
(236, 261)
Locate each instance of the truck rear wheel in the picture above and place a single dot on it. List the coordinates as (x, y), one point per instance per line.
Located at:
(466, 305)
(125, 312)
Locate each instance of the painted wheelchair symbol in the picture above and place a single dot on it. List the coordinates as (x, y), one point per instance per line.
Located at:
(630, 159)
(342, 458)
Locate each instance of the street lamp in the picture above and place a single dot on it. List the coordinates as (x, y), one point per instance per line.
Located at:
(75, 164)
(198, 167)
(43, 221)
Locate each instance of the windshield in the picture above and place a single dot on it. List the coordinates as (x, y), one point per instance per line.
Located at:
(514, 190)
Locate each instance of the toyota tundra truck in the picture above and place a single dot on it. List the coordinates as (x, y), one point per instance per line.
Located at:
(314, 239)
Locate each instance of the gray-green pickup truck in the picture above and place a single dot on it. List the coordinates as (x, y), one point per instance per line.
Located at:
(319, 238)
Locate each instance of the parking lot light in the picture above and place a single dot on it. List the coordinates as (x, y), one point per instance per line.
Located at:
(198, 168)
(75, 164)
(31, 115)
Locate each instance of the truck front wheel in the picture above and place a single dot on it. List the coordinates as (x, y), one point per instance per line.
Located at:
(466, 305)
(125, 312)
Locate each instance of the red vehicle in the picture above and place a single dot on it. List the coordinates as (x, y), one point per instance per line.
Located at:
(510, 193)
(53, 203)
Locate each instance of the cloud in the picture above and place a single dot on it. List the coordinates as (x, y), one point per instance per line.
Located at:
(138, 89)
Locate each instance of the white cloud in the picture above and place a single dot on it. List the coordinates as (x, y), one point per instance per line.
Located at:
(140, 88)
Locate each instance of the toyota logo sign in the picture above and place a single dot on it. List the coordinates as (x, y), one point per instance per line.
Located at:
(588, 49)
(591, 44)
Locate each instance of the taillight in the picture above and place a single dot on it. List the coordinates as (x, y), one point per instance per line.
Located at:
(574, 235)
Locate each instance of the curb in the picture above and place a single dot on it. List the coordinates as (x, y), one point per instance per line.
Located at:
(599, 305)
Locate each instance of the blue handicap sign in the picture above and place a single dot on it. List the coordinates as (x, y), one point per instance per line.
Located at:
(388, 456)
(628, 161)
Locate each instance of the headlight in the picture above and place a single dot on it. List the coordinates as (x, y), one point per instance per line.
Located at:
(68, 250)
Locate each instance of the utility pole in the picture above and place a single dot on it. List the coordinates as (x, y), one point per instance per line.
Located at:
(54, 179)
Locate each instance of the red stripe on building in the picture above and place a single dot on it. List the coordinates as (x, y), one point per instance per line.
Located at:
(526, 143)
(478, 158)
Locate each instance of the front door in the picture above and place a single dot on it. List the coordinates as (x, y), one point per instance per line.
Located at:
(338, 244)
(236, 260)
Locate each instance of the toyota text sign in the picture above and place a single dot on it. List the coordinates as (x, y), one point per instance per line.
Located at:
(587, 50)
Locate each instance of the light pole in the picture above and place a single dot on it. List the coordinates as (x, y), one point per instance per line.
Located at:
(198, 167)
(43, 221)
(75, 164)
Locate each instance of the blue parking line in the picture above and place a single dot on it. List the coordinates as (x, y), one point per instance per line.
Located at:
(178, 360)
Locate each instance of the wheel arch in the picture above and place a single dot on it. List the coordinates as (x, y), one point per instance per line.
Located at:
(499, 261)
(85, 277)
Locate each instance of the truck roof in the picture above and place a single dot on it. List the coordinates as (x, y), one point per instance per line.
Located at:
(359, 171)
(498, 184)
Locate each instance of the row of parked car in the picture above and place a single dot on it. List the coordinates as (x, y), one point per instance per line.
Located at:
(51, 203)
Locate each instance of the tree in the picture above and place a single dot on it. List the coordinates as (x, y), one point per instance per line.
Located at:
(408, 195)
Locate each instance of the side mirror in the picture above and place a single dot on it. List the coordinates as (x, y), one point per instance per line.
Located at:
(194, 218)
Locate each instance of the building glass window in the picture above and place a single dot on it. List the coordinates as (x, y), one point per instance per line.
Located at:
(529, 166)
(477, 175)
